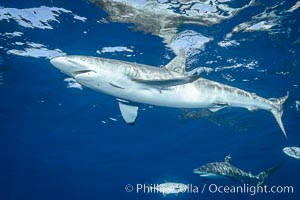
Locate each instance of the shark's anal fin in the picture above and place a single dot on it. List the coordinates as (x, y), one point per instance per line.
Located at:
(178, 63)
(218, 106)
(128, 110)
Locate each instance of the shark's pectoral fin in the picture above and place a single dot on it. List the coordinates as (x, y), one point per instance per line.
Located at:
(163, 83)
(129, 111)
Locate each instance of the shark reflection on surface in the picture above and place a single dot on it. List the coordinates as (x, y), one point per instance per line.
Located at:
(162, 18)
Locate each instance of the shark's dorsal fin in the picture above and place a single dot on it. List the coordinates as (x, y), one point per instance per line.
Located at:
(163, 83)
(178, 63)
(128, 110)
(228, 159)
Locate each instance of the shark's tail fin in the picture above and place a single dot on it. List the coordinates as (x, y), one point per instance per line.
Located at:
(263, 176)
(278, 111)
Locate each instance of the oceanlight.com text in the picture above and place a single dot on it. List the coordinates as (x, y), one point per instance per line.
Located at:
(248, 189)
(211, 188)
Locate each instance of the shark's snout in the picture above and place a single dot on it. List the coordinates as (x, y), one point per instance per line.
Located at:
(58, 62)
(68, 65)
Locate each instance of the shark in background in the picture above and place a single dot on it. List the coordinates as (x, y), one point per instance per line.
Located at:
(169, 86)
(168, 188)
(224, 170)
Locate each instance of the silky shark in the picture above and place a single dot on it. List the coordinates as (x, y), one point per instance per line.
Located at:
(219, 170)
(169, 86)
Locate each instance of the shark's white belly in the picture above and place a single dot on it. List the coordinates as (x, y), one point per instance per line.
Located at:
(191, 95)
(184, 96)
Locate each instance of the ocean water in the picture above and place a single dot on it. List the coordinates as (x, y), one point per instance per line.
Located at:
(60, 140)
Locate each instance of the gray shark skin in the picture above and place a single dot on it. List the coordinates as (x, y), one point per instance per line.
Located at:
(170, 86)
(219, 170)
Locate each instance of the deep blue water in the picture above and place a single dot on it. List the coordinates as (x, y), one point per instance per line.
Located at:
(65, 143)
